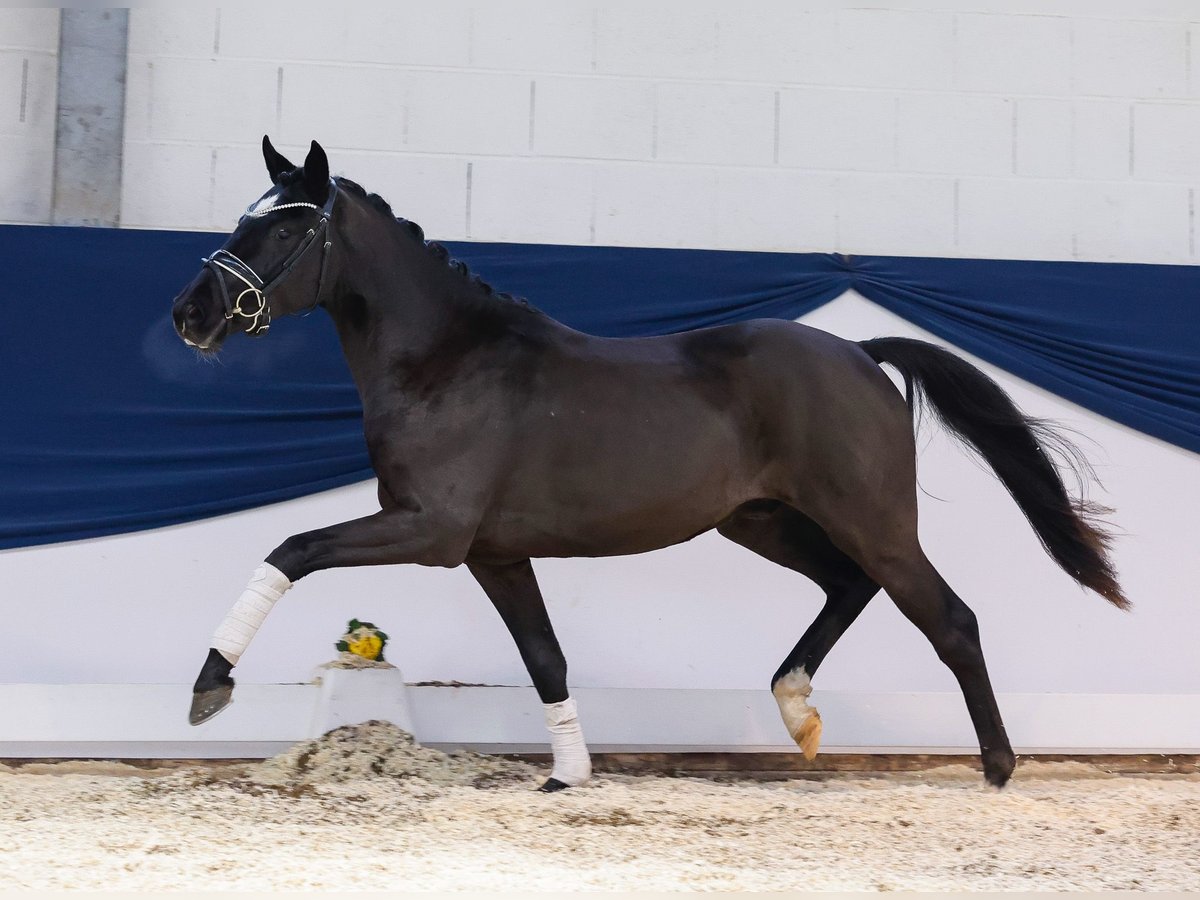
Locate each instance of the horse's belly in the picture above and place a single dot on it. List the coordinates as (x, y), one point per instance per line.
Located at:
(597, 514)
(511, 535)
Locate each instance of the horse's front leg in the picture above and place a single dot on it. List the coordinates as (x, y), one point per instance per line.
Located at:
(514, 591)
(388, 537)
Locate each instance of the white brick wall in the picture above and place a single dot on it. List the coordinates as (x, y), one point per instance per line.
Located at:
(28, 97)
(1053, 130)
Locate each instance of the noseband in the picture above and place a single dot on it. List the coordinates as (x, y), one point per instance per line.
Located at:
(222, 261)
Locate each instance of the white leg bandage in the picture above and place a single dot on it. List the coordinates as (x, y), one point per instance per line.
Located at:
(572, 764)
(234, 634)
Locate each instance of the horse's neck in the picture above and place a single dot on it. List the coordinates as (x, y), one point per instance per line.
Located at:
(395, 306)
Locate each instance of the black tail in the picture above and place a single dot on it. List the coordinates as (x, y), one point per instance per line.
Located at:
(1021, 451)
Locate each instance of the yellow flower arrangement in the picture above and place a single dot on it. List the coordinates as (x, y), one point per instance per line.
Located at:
(363, 639)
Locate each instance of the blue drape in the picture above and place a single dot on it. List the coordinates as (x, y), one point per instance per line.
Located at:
(109, 424)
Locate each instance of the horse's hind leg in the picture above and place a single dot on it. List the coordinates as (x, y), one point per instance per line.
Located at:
(514, 591)
(791, 539)
(887, 548)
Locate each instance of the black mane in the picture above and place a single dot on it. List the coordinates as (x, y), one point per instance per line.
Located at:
(415, 231)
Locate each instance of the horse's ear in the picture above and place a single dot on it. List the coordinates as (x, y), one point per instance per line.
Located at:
(316, 174)
(277, 163)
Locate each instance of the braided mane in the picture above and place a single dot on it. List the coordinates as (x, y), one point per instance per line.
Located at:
(413, 230)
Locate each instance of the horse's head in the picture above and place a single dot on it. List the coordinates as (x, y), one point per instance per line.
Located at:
(273, 264)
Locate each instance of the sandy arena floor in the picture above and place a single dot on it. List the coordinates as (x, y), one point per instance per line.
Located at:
(363, 808)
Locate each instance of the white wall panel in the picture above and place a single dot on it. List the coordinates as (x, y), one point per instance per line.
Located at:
(956, 134)
(895, 48)
(1101, 141)
(555, 199)
(656, 206)
(1148, 222)
(660, 39)
(1038, 104)
(838, 129)
(1029, 219)
(896, 216)
(776, 209)
(596, 118)
(532, 36)
(1129, 58)
(1165, 146)
(715, 124)
(1043, 139)
(1013, 54)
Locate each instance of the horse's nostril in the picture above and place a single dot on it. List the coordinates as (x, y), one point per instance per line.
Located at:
(193, 314)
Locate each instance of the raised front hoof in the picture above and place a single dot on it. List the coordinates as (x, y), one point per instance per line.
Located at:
(553, 785)
(206, 704)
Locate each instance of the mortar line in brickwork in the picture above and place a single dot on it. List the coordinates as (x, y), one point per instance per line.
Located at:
(532, 110)
(654, 126)
(1073, 146)
(776, 156)
(470, 37)
(896, 133)
(1131, 109)
(954, 61)
(467, 228)
(592, 215)
(217, 33)
(150, 100)
(1014, 136)
(212, 186)
(1187, 59)
(24, 86)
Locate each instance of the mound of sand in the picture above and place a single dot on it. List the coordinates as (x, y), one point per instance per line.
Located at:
(381, 750)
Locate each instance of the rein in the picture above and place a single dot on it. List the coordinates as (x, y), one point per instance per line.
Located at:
(222, 261)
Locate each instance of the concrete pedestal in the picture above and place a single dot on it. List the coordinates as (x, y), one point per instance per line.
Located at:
(350, 696)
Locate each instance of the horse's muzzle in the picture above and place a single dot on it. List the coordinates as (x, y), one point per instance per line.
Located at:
(198, 315)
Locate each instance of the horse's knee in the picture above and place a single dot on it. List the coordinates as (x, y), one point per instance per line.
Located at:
(296, 556)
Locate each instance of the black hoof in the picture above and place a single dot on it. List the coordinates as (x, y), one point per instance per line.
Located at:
(997, 779)
(206, 704)
(998, 768)
(552, 785)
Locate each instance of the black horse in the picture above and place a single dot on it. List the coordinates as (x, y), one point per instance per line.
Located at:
(499, 435)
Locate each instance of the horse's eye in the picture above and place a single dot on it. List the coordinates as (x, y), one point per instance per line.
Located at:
(283, 234)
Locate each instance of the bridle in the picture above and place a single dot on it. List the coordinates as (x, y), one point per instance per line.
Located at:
(223, 261)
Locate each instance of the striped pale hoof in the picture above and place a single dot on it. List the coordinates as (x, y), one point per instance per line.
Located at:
(808, 735)
(552, 785)
(206, 704)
